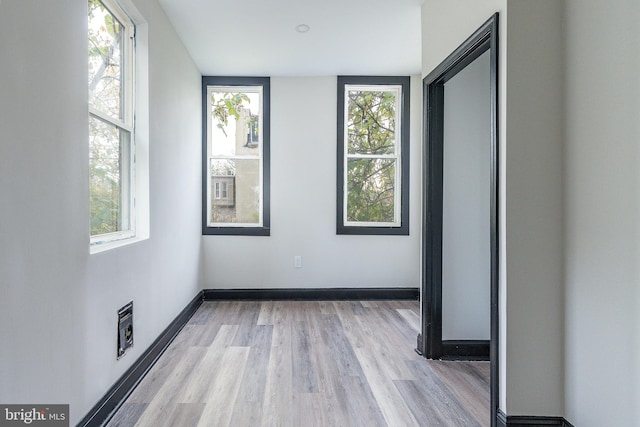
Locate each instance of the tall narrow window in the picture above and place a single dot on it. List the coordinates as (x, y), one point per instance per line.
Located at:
(236, 155)
(373, 155)
(111, 122)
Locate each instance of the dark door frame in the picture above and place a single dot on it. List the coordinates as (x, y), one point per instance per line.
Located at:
(430, 340)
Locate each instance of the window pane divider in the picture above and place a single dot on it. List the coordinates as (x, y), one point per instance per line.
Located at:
(106, 118)
(241, 157)
(373, 156)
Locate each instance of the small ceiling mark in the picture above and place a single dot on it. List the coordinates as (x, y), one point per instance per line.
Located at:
(303, 28)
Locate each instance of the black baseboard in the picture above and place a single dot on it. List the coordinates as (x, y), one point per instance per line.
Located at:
(111, 401)
(323, 294)
(419, 345)
(524, 420)
(501, 419)
(465, 350)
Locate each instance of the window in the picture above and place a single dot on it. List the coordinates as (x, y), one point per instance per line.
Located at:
(118, 165)
(221, 194)
(235, 166)
(111, 113)
(373, 155)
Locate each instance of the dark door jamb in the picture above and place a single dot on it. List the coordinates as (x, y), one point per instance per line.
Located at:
(430, 340)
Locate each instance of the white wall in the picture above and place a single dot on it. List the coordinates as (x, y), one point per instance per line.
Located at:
(466, 222)
(531, 270)
(534, 196)
(448, 23)
(303, 207)
(602, 212)
(58, 304)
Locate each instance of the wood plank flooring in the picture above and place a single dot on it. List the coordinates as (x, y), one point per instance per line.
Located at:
(298, 363)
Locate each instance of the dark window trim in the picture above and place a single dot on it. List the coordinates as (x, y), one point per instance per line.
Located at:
(403, 229)
(265, 229)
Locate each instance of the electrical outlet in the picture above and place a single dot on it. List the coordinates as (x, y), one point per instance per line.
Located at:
(297, 261)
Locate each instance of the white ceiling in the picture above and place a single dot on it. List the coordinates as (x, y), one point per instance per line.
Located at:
(258, 37)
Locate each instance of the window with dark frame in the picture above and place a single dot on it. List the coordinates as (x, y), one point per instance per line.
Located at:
(236, 155)
(373, 155)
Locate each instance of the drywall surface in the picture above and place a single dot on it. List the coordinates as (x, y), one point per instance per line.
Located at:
(602, 116)
(58, 304)
(534, 200)
(303, 207)
(446, 24)
(466, 223)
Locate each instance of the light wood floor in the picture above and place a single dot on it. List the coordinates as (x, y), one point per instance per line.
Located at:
(294, 363)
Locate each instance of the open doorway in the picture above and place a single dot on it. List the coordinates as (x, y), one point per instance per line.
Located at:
(459, 303)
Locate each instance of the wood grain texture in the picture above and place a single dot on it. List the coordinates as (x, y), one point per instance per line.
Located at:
(301, 363)
(223, 394)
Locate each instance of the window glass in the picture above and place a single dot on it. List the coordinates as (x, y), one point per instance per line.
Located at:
(371, 190)
(371, 120)
(109, 150)
(106, 60)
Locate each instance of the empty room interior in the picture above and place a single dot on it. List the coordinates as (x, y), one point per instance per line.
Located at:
(285, 213)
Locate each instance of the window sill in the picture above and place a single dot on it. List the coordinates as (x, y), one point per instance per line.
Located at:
(103, 246)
